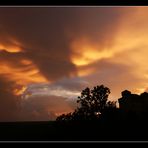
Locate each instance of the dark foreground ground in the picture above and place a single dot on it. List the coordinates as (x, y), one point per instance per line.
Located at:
(84, 131)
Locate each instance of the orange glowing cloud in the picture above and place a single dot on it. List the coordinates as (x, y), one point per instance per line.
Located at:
(19, 91)
(84, 52)
(20, 78)
(26, 73)
(10, 48)
(13, 46)
(129, 48)
(84, 71)
(26, 62)
(17, 74)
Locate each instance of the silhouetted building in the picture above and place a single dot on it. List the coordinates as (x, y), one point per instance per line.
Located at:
(134, 105)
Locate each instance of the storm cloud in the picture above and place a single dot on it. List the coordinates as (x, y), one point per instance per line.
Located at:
(47, 33)
(55, 52)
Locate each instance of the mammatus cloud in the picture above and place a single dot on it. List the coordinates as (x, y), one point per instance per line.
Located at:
(17, 68)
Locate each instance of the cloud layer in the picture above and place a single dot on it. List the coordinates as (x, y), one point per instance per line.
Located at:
(48, 55)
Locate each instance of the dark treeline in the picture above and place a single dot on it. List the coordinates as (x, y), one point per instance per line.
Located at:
(94, 105)
(96, 118)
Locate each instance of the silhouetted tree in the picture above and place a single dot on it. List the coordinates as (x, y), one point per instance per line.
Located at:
(92, 104)
(65, 117)
(110, 112)
(93, 101)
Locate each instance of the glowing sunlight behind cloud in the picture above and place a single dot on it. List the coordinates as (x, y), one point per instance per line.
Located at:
(46, 62)
(10, 48)
(11, 45)
(85, 53)
(128, 47)
(20, 71)
(31, 75)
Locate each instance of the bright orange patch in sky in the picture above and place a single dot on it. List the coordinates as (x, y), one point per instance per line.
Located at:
(31, 75)
(26, 74)
(19, 91)
(26, 62)
(12, 49)
(85, 53)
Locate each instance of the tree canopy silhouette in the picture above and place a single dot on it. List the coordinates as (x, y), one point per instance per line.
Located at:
(92, 103)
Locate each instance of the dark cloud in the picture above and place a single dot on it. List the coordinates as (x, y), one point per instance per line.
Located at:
(98, 25)
(44, 37)
(12, 58)
(45, 101)
(44, 107)
(53, 68)
(72, 84)
(9, 103)
(46, 33)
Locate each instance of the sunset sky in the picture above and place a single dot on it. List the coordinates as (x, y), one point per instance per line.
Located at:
(49, 54)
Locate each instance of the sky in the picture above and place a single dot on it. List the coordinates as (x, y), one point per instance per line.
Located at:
(49, 54)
